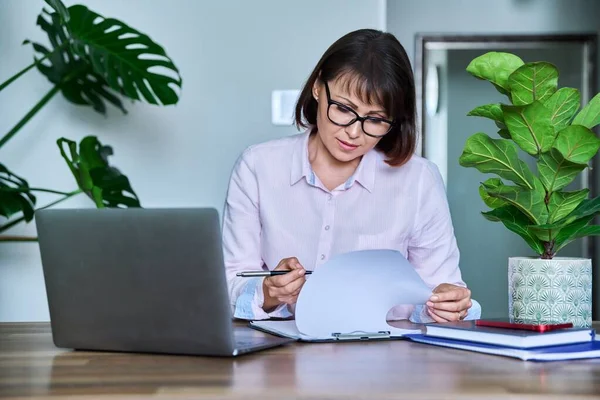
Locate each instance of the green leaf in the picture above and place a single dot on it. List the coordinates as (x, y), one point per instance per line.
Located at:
(125, 57)
(60, 9)
(504, 133)
(530, 127)
(562, 204)
(563, 104)
(517, 222)
(555, 172)
(588, 207)
(15, 196)
(491, 111)
(497, 156)
(545, 233)
(490, 201)
(570, 232)
(589, 116)
(104, 184)
(531, 82)
(577, 144)
(495, 67)
(529, 201)
(593, 230)
(78, 82)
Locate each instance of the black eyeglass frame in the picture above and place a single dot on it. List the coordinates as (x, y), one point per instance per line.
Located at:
(356, 116)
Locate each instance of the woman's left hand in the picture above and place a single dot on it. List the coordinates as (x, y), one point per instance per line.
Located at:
(449, 303)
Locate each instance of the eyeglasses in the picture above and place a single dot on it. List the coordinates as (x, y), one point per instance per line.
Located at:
(342, 115)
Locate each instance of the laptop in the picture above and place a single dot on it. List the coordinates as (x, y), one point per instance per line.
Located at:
(141, 280)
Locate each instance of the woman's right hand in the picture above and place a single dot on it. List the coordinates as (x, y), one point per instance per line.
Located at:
(284, 289)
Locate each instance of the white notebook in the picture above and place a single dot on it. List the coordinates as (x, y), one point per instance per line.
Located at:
(290, 330)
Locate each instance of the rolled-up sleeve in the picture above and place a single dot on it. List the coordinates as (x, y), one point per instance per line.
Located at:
(242, 243)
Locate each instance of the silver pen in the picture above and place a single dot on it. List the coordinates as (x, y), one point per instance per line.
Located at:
(249, 274)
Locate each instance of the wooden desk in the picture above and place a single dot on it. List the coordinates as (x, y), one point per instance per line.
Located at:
(30, 366)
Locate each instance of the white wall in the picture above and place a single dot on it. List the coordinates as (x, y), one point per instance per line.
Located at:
(231, 54)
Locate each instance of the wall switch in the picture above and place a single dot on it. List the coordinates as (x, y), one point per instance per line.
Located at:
(283, 104)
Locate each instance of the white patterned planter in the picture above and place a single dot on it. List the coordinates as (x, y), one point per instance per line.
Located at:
(550, 290)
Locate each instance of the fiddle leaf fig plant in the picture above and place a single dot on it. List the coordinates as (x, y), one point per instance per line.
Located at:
(545, 123)
(92, 61)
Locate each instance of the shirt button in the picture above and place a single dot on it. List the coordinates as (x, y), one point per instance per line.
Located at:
(327, 227)
(329, 197)
(322, 256)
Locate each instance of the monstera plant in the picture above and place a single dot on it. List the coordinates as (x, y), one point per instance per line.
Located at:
(545, 122)
(92, 61)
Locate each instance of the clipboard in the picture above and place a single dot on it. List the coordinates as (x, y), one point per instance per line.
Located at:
(288, 329)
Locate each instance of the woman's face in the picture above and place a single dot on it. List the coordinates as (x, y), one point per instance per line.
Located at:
(344, 143)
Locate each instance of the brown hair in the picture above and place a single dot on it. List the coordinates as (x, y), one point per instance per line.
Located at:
(378, 69)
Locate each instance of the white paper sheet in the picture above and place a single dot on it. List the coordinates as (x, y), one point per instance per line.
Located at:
(353, 293)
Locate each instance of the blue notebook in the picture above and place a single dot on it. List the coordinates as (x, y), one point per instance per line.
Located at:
(589, 349)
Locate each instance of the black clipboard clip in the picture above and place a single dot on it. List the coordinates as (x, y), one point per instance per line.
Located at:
(359, 335)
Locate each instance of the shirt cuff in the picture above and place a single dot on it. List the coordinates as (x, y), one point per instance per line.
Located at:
(250, 301)
(420, 315)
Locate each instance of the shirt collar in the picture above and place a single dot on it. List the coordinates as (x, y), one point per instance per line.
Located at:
(364, 174)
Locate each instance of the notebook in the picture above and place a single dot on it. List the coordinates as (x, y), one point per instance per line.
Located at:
(590, 349)
(289, 329)
(468, 331)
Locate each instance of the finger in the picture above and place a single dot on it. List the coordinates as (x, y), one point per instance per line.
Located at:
(289, 278)
(288, 299)
(294, 263)
(451, 295)
(452, 306)
(435, 317)
(289, 263)
(292, 287)
(447, 315)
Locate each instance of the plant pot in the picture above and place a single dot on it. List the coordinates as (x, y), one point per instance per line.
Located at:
(550, 290)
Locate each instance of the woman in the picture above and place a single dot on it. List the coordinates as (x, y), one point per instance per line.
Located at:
(350, 182)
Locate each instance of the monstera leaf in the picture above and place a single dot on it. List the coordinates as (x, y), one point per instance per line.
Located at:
(123, 56)
(59, 8)
(74, 77)
(91, 54)
(104, 184)
(15, 197)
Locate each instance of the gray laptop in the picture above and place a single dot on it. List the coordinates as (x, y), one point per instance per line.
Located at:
(140, 280)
